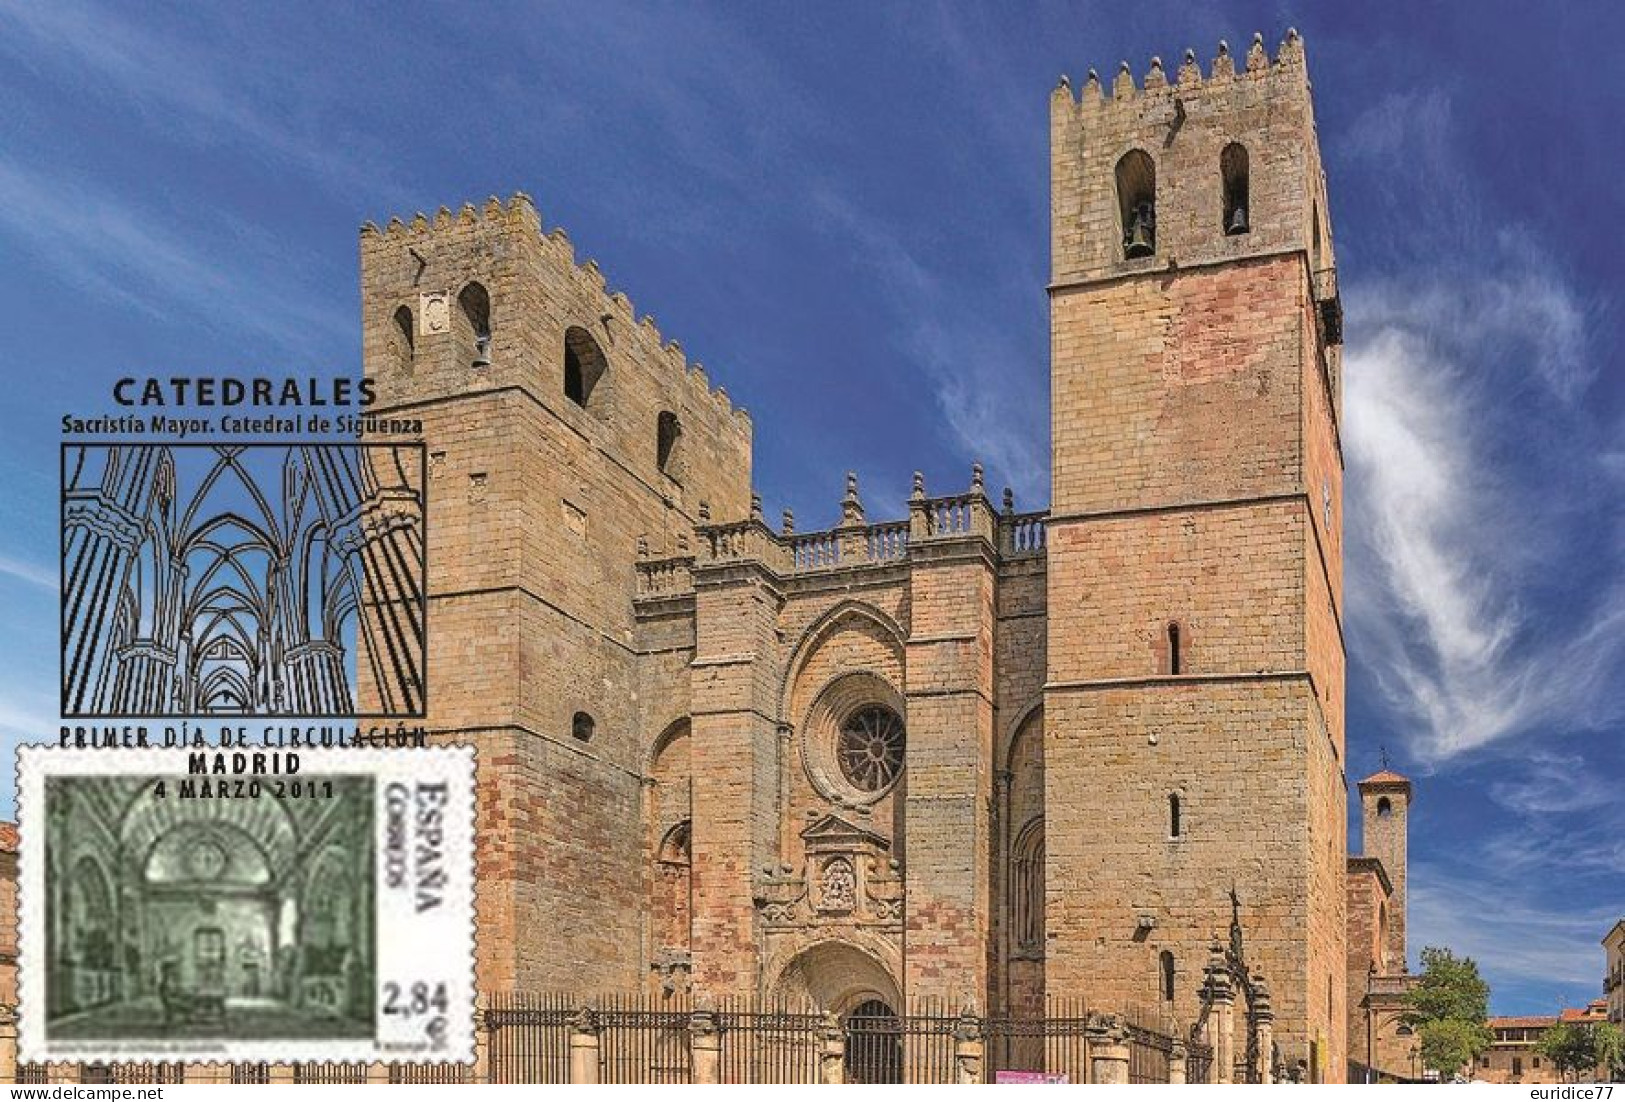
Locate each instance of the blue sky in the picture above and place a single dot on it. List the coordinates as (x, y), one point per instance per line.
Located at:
(842, 212)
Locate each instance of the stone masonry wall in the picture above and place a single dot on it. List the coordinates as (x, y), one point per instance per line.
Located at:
(537, 510)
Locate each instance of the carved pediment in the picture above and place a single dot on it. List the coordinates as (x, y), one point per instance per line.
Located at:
(847, 878)
(833, 834)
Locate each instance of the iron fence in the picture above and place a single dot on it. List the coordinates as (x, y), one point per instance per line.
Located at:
(329, 1072)
(649, 1039)
(429, 1073)
(529, 1037)
(771, 1043)
(874, 1042)
(1150, 1046)
(161, 1072)
(250, 1073)
(1053, 1044)
(642, 1043)
(1198, 1062)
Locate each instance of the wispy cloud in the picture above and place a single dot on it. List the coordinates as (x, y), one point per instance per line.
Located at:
(1529, 941)
(1468, 442)
(187, 92)
(1546, 783)
(28, 572)
(107, 246)
(1449, 545)
(989, 387)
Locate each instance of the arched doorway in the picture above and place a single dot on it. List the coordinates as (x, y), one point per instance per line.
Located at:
(874, 1043)
(856, 983)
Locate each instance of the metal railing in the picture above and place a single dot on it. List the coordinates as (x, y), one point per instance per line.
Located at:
(1054, 1044)
(251, 1073)
(1198, 1062)
(430, 1073)
(529, 1037)
(329, 1071)
(640, 1041)
(1149, 1050)
(646, 1038)
(768, 1043)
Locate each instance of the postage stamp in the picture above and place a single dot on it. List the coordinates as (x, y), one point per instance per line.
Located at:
(246, 904)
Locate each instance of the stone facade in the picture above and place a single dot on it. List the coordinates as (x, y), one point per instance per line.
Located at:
(974, 754)
(1613, 981)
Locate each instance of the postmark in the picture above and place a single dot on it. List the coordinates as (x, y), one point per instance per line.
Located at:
(246, 905)
(202, 578)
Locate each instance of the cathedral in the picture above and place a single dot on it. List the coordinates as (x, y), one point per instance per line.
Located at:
(971, 753)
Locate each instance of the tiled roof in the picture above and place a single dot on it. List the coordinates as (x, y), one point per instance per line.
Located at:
(8, 837)
(1528, 1021)
(1596, 1010)
(1387, 776)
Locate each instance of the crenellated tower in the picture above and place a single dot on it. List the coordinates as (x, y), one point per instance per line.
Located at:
(1194, 695)
(566, 438)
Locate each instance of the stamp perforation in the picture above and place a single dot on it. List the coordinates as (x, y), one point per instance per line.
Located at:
(186, 927)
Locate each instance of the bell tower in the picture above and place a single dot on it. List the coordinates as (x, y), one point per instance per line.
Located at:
(1385, 809)
(1194, 695)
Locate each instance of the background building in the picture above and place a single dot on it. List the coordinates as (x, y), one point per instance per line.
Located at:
(1613, 982)
(1381, 1046)
(1513, 1057)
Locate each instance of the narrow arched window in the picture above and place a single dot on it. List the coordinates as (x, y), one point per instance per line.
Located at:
(668, 434)
(1176, 658)
(1166, 962)
(1174, 825)
(1233, 170)
(1137, 203)
(675, 847)
(475, 303)
(582, 727)
(1027, 890)
(1384, 808)
(584, 365)
(401, 337)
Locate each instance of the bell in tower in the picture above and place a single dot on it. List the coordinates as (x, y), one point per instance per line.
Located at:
(1141, 236)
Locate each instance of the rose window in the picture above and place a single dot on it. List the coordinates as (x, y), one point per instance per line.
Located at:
(870, 749)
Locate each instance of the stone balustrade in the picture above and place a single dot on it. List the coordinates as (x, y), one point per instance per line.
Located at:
(851, 543)
(1022, 534)
(665, 577)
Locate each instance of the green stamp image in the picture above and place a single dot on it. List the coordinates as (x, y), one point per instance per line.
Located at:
(249, 905)
(167, 916)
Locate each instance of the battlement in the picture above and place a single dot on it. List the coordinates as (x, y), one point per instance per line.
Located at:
(1256, 65)
(1189, 167)
(454, 231)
